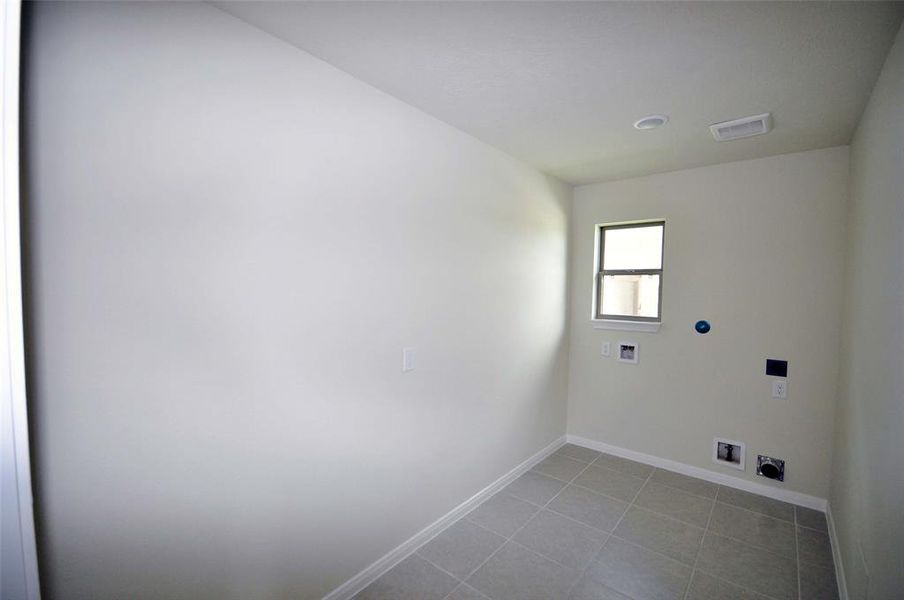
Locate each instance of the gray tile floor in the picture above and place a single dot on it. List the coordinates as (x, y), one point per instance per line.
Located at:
(583, 525)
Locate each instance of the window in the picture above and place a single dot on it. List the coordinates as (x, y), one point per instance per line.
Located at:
(629, 273)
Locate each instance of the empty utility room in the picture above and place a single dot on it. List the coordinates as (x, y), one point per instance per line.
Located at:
(452, 300)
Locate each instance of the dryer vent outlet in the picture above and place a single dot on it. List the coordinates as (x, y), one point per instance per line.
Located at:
(771, 468)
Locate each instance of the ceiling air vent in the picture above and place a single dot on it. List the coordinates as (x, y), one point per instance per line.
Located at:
(742, 128)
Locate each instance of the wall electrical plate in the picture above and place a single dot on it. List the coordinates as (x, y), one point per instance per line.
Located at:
(729, 453)
(606, 349)
(779, 389)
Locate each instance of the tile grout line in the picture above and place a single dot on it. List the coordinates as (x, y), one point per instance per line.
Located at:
(514, 533)
(610, 534)
(740, 587)
(614, 527)
(706, 529)
(460, 585)
(756, 512)
(608, 537)
(712, 509)
(508, 538)
(633, 500)
(449, 573)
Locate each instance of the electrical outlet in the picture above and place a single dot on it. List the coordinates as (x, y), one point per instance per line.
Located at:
(606, 349)
(779, 389)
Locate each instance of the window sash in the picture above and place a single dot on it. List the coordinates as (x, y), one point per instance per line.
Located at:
(602, 273)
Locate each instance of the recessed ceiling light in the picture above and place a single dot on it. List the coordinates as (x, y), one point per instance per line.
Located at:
(651, 122)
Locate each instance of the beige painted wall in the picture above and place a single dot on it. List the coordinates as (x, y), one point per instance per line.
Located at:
(756, 247)
(867, 498)
(230, 242)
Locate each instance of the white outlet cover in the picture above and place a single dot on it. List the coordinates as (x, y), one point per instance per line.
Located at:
(779, 389)
(606, 349)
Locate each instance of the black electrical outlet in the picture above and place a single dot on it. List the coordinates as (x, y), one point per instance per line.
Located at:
(776, 368)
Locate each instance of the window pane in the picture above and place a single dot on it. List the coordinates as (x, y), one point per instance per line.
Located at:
(631, 295)
(633, 248)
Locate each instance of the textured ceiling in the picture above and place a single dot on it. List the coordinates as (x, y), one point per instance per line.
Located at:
(559, 84)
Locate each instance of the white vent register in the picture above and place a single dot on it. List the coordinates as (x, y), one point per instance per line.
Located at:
(742, 128)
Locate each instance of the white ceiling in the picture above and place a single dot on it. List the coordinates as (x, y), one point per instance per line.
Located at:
(559, 84)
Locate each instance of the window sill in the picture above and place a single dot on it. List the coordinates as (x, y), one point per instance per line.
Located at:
(645, 326)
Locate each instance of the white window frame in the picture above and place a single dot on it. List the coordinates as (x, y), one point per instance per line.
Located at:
(624, 322)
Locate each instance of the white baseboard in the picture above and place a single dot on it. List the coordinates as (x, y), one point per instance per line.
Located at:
(408, 547)
(836, 554)
(798, 498)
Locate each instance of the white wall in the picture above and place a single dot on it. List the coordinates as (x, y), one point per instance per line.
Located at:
(867, 498)
(229, 244)
(755, 247)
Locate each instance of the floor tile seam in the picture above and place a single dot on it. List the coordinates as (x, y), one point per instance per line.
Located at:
(514, 533)
(819, 529)
(824, 532)
(603, 545)
(710, 498)
(466, 518)
(751, 546)
(756, 512)
(712, 509)
(455, 589)
(531, 502)
(576, 521)
(734, 489)
(620, 472)
(544, 556)
(572, 480)
(685, 492)
(653, 550)
(592, 560)
(534, 470)
(606, 543)
(507, 538)
(485, 561)
(627, 508)
(810, 563)
(715, 498)
(577, 460)
(599, 493)
(669, 517)
(580, 460)
(617, 523)
(433, 564)
(737, 585)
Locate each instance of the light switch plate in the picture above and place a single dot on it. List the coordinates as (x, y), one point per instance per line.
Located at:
(779, 389)
(606, 349)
